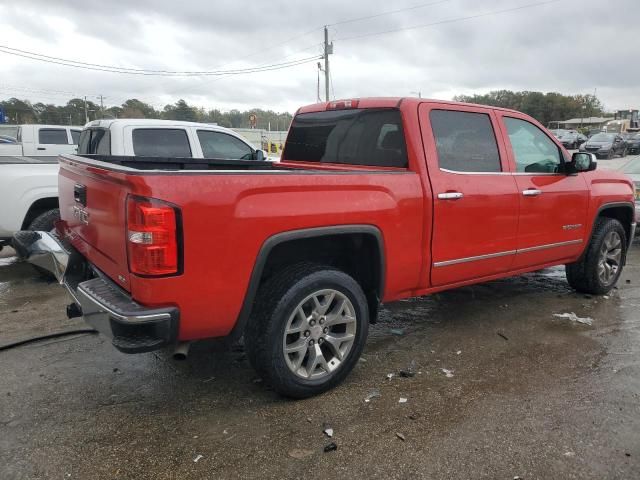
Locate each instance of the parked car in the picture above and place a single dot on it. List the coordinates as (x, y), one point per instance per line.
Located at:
(572, 139)
(633, 143)
(28, 193)
(605, 145)
(42, 140)
(371, 203)
(164, 138)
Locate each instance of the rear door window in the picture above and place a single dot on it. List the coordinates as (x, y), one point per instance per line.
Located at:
(357, 137)
(465, 141)
(161, 142)
(95, 141)
(223, 146)
(75, 136)
(53, 136)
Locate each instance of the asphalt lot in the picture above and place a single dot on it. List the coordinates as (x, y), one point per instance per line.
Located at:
(503, 389)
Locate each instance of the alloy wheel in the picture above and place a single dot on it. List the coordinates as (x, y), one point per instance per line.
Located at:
(610, 258)
(319, 334)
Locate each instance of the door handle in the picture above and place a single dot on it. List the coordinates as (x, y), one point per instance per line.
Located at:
(450, 196)
(531, 192)
(41, 148)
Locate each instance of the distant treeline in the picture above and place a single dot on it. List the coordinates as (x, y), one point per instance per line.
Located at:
(544, 107)
(73, 113)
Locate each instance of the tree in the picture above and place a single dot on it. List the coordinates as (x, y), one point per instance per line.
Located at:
(544, 107)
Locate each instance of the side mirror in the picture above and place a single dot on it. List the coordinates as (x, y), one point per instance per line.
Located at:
(582, 162)
(259, 155)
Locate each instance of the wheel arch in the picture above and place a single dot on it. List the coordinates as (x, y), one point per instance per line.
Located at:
(297, 245)
(624, 212)
(38, 207)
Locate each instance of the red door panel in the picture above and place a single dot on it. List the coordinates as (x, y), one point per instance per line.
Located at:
(553, 206)
(475, 213)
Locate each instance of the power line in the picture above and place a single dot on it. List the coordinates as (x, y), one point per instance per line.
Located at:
(450, 20)
(390, 12)
(161, 73)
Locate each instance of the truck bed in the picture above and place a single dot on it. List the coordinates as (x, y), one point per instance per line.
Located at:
(173, 163)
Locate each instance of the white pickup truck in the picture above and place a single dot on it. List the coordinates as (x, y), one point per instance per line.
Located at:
(29, 176)
(164, 138)
(29, 183)
(42, 141)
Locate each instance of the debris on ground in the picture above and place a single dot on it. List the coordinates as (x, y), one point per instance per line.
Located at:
(197, 459)
(332, 447)
(402, 400)
(459, 352)
(375, 393)
(400, 436)
(447, 373)
(397, 331)
(575, 318)
(390, 376)
(502, 335)
(300, 453)
(328, 431)
(410, 371)
(414, 416)
(569, 454)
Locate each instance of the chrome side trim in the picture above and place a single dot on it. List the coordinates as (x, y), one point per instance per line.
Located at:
(446, 170)
(446, 263)
(550, 245)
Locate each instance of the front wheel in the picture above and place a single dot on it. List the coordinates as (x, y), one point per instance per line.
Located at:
(308, 329)
(599, 269)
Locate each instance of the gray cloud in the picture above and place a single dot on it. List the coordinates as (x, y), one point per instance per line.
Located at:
(570, 46)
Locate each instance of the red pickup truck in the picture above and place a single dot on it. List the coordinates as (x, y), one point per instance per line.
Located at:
(375, 200)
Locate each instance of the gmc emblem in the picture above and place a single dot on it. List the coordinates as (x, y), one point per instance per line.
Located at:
(81, 215)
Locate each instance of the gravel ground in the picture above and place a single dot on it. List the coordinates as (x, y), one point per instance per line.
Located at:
(503, 389)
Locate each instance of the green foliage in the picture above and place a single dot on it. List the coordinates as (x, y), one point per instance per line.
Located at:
(544, 107)
(73, 113)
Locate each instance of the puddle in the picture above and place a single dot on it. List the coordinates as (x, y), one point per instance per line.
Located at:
(8, 261)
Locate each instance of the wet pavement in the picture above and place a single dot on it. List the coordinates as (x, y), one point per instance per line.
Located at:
(502, 389)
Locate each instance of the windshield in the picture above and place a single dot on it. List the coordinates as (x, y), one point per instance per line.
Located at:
(603, 137)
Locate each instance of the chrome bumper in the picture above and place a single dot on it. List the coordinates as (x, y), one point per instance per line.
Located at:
(132, 327)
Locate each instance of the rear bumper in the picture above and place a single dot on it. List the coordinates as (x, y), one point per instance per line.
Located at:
(133, 328)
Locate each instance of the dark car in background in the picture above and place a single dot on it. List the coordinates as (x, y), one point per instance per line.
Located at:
(572, 139)
(633, 143)
(605, 145)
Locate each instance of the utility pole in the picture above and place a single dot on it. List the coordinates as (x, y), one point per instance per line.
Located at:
(86, 113)
(318, 89)
(101, 107)
(328, 50)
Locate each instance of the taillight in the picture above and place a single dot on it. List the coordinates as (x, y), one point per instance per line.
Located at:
(152, 237)
(342, 104)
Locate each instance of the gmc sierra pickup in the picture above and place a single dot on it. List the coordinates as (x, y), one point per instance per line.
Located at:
(375, 200)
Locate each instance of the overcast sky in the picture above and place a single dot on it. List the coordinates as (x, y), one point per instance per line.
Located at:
(568, 46)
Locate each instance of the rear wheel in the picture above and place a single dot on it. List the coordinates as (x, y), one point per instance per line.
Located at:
(308, 329)
(598, 271)
(624, 152)
(45, 222)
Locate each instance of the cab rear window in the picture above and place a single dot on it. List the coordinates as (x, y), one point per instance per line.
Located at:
(161, 142)
(94, 141)
(356, 137)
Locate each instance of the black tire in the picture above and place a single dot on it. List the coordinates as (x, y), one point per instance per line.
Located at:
(611, 154)
(45, 222)
(624, 152)
(276, 301)
(583, 275)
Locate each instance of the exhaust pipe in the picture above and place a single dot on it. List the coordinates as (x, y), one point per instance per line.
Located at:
(181, 351)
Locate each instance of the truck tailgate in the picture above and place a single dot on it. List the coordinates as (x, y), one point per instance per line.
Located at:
(92, 209)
